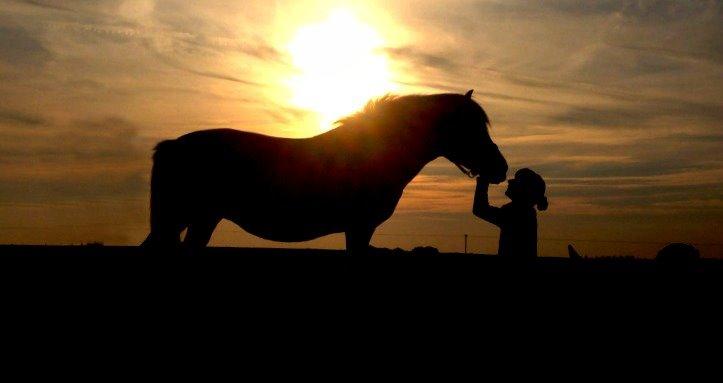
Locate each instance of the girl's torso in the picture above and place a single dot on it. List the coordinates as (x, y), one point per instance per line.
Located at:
(518, 231)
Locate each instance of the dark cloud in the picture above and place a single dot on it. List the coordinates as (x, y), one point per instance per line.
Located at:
(258, 49)
(637, 115)
(534, 82)
(47, 5)
(715, 53)
(690, 198)
(652, 11)
(21, 49)
(565, 44)
(432, 85)
(90, 13)
(662, 11)
(75, 188)
(113, 140)
(530, 8)
(608, 63)
(642, 188)
(634, 168)
(85, 160)
(602, 116)
(687, 137)
(182, 17)
(646, 64)
(576, 86)
(97, 34)
(15, 117)
(642, 157)
(507, 97)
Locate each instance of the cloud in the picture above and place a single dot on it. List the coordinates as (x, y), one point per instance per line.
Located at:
(419, 58)
(166, 59)
(46, 5)
(601, 116)
(649, 194)
(637, 115)
(86, 159)
(14, 117)
(20, 49)
(651, 11)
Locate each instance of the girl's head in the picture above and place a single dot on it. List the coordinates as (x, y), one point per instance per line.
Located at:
(527, 187)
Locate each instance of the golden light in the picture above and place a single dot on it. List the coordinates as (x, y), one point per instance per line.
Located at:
(339, 66)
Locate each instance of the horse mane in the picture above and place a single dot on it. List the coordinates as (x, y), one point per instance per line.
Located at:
(379, 107)
(373, 108)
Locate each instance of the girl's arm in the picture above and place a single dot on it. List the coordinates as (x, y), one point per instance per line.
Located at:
(482, 208)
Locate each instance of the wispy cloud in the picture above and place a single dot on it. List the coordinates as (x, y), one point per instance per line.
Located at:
(46, 5)
(20, 49)
(166, 59)
(14, 117)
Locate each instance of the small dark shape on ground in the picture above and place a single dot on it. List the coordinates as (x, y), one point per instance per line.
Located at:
(678, 256)
(572, 253)
(425, 250)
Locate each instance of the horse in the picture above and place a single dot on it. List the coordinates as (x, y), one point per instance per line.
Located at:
(347, 180)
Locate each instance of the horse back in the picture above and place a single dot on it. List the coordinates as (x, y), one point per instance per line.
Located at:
(324, 167)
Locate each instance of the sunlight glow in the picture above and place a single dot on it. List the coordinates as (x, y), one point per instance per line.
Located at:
(339, 66)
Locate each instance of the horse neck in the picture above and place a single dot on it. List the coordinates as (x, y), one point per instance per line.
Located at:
(396, 149)
(405, 149)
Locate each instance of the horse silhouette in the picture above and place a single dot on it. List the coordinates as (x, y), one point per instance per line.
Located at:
(348, 180)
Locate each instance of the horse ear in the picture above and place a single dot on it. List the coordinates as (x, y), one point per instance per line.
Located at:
(469, 94)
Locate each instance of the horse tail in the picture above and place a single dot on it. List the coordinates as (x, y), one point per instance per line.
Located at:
(165, 228)
(162, 176)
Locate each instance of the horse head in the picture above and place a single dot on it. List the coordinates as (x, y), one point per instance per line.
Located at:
(466, 142)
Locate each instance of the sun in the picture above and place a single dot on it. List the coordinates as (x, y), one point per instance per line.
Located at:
(339, 65)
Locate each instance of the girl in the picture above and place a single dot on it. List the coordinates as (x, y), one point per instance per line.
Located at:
(517, 220)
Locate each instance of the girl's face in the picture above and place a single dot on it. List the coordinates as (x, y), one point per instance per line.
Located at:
(526, 188)
(516, 191)
(513, 186)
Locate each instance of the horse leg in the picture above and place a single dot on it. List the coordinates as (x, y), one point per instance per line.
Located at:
(166, 225)
(162, 243)
(164, 236)
(357, 240)
(167, 221)
(199, 234)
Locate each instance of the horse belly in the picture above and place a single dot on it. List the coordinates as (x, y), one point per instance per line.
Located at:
(288, 219)
(286, 227)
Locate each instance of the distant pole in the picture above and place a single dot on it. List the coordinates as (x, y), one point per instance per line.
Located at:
(465, 243)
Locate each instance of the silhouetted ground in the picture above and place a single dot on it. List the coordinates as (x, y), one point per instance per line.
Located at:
(94, 285)
(244, 260)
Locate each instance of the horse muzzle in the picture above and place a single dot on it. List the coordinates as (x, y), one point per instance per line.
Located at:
(491, 178)
(497, 179)
(497, 174)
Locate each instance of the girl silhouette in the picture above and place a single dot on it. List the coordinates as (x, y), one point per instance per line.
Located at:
(517, 220)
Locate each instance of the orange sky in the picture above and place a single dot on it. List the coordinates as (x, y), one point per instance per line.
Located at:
(617, 104)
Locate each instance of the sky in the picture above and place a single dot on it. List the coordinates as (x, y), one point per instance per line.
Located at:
(617, 104)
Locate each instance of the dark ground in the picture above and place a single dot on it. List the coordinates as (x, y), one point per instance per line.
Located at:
(386, 278)
(120, 290)
(419, 262)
